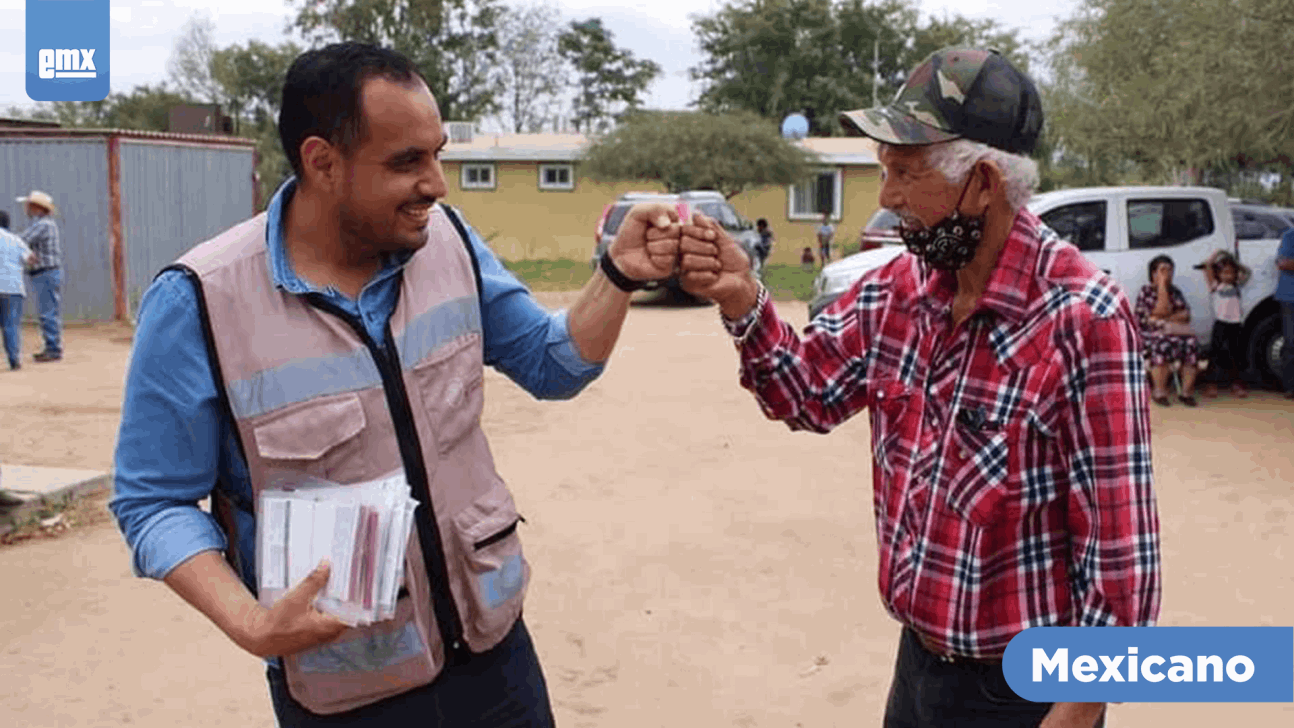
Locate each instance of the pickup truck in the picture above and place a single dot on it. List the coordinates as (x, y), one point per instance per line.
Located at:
(1120, 229)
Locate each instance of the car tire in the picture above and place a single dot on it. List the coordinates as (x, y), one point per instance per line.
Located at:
(1263, 350)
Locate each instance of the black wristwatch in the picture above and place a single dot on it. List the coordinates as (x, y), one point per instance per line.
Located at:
(618, 279)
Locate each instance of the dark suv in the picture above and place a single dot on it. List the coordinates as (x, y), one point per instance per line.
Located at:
(711, 204)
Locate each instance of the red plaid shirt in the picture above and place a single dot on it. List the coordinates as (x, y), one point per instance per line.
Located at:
(1010, 454)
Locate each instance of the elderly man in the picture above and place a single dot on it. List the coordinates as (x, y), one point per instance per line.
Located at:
(46, 271)
(1007, 396)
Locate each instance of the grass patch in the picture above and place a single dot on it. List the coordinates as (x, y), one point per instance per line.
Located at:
(784, 282)
(551, 275)
(789, 282)
(78, 512)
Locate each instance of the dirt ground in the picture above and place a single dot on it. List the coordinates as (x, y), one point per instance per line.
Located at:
(694, 564)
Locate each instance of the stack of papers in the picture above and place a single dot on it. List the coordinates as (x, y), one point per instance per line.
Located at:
(362, 530)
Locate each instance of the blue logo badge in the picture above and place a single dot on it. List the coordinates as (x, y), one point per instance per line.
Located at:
(1152, 664)
(67, 50)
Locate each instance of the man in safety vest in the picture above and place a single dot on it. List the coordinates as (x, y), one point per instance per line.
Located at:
(342, 335)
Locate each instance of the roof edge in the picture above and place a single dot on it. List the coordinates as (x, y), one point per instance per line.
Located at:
(207, 139)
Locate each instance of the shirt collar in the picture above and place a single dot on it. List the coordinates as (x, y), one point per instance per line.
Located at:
(1008, 288)
(285, 277)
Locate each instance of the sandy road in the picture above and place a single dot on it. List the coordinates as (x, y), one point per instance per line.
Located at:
(695, 565)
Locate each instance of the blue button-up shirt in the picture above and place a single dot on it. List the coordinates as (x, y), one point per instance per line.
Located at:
(42, 237)
(13, 256)
(1285, 279)
(175, 441)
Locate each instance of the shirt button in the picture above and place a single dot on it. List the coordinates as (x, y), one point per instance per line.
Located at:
(965, 454)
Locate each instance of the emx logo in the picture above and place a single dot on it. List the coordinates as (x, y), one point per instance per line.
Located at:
(68, 50)
(67, 63)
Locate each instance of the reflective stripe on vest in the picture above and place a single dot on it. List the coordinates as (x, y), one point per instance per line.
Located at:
(307, 378)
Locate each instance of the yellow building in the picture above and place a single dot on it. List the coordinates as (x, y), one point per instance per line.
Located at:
(525, 195)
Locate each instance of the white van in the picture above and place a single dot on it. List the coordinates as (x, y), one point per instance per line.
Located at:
(1121, 229)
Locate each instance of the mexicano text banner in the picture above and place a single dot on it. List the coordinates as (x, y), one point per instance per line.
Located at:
(1152, 664)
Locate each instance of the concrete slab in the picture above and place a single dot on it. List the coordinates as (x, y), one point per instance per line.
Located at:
(38, 486)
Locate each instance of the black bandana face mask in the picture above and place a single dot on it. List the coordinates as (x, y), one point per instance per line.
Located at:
(949, 244)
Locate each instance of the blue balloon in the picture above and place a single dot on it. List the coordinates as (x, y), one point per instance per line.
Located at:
(795, 126)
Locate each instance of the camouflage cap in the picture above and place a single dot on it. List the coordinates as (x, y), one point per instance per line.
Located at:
(958, 93)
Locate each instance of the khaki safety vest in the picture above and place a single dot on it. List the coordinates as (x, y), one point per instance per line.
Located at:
(311, 393)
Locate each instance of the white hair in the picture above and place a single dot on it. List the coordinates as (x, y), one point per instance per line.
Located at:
(954, 160)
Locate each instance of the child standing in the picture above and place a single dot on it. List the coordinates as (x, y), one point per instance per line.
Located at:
(766, 241)
(826, 231)
(1225, 276)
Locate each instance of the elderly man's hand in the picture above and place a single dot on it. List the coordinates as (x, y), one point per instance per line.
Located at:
(646, 246)
(712, 265)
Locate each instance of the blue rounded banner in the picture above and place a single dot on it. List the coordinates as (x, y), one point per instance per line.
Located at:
(67, 50)
(1152, 664)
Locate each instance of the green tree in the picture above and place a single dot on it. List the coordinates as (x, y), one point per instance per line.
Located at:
(820, 57)
(146, 108)
(189, 66)
(730, 153)
(452, 42)
(1177, 87)
(609, 81)
(251, 79)
(955, 30)
(532, 72)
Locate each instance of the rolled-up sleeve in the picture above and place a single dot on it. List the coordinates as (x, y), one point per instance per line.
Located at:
(529, 344)
(168, 446)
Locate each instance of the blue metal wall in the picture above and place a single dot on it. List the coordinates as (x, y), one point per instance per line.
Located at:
(75, 173)
(173, 197)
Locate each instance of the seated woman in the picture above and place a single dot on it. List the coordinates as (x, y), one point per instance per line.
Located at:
(1165, 328)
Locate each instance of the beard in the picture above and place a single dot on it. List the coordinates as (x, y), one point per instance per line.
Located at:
(379, 234)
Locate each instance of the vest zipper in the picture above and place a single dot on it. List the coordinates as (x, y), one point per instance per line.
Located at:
(415, 467)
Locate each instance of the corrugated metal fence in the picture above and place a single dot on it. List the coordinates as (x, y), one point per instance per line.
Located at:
(173, 198)
(175, 191)
(75, 173)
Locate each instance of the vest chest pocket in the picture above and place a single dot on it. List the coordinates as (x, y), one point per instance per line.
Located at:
(451, 388)
(319, 437)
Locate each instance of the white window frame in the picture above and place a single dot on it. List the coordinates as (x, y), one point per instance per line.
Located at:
(838, 178)
(477, 185)
(570, 173)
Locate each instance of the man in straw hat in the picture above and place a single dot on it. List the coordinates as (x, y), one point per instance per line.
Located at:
(47, 271)
(1007, 396)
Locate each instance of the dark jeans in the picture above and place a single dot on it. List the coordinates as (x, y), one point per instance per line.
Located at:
(1224, 352)
(501, 688)
(11, 323)
(929, 692)
(47, 286)
(1287, 351)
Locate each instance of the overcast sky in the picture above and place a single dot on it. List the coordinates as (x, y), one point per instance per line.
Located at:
(143, 31)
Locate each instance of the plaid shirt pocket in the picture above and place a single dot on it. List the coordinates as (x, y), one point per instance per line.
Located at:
(978, 468)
